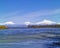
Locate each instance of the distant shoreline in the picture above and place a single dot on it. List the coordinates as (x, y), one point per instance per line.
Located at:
(43, 26)
(30, 26)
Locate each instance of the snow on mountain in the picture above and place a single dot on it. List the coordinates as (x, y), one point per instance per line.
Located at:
(45, 21)
(7, 23)
(27, 23)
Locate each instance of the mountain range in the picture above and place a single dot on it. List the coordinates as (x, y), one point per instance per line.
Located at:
(44, 22)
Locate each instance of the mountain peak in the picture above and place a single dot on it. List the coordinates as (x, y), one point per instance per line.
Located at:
(45, 21)
(9, 23)
(27, 23)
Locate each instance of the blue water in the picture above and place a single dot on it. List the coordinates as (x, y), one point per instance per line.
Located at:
(30, 42)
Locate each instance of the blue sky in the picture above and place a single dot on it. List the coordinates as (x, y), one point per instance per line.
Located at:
(20, 11)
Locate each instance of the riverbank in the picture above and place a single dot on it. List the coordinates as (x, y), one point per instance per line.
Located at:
(3, 27)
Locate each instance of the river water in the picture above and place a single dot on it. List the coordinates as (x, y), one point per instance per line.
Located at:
(30, 42)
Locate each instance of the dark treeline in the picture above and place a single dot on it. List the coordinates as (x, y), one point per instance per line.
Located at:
(43, 26)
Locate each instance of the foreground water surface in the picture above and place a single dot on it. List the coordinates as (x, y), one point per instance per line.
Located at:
(30, 38)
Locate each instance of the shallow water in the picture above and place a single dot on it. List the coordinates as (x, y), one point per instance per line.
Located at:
(30, 42)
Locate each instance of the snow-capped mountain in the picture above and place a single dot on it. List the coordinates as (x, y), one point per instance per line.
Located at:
(28, 23)
(7, 23)
(46, 22)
